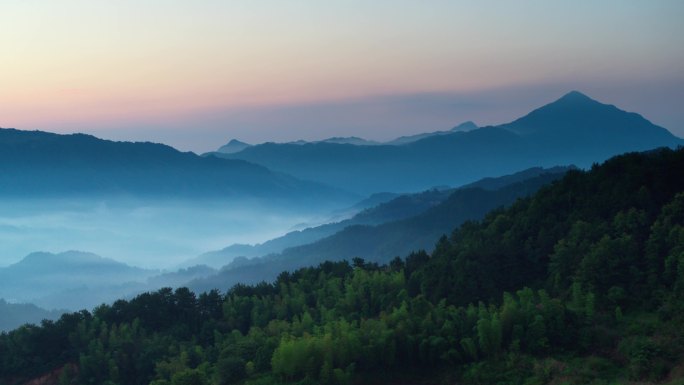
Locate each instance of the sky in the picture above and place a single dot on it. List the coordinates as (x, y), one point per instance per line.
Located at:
(195, 74)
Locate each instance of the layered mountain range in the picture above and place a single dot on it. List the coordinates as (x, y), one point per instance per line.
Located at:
(406, 224)
(574, 129)
(392, 221)
(36, 164)
(394, 208)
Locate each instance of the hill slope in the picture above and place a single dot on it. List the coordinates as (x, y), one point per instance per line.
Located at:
(379, 243)
(400, 207)
(75, 280)
(465, 126)
(41, 164)
(58, 280)
(13, 315)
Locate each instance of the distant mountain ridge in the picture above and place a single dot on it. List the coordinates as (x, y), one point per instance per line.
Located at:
(13, 315)
(463, 127)
(47, 264)
(235, 145)
(76, 280)
(355, 140)
(42, 164)
(574, 129)
(40, 275)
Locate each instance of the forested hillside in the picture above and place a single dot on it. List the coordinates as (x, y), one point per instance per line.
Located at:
(581, 283)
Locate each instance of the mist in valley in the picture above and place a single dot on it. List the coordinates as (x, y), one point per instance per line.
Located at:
(152, 234)
(73, 254)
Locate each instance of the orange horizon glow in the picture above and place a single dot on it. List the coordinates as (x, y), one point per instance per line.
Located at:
(93, 63)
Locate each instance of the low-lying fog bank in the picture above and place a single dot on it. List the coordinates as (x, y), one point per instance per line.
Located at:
(154, 234)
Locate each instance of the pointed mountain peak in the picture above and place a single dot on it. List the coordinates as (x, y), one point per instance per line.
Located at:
(575, 96)
(465, 126)
(577, 117)
(233, 146)
(574, 107)
(575, 99)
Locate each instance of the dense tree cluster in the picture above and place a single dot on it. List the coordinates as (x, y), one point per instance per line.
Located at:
(582, 281)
